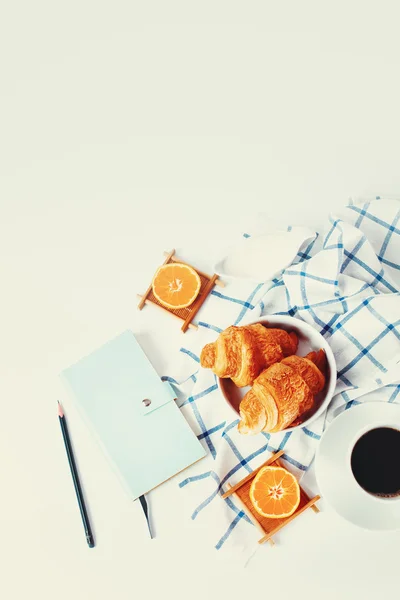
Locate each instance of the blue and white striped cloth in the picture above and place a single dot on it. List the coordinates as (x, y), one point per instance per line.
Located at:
(346, 284)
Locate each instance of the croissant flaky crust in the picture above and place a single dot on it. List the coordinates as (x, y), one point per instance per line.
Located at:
(242, 353)
(282, 393)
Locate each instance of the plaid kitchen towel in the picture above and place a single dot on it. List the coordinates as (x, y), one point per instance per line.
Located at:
(346, 284)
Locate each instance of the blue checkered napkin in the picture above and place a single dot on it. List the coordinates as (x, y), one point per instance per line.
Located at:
(347, 285)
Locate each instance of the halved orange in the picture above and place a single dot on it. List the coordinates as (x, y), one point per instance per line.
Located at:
(275, 493)
(176, 285)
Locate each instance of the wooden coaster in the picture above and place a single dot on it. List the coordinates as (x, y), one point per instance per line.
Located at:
(268, 527)
(184, 314)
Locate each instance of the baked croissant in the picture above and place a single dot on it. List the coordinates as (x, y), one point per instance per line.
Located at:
(241, 353)
(282, 393)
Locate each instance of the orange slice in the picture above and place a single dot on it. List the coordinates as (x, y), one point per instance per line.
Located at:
(275, 493)
(176, 285)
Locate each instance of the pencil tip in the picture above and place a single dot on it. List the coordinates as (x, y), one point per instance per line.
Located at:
(60, 410)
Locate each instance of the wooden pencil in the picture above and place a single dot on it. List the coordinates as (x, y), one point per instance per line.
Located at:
(75, 478)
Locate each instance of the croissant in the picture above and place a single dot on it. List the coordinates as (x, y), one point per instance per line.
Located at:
(308, 371)
(242, 353)
(281, 394)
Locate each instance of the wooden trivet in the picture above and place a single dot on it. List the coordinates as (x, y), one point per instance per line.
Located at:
(268, 527)
(184, 314)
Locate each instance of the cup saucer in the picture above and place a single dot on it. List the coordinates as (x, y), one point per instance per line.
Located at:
(333, 470)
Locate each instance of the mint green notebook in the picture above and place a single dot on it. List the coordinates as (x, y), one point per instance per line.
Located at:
(147, 442)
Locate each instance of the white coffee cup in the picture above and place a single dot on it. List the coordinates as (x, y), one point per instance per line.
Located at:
(395, 497)
(336, 481)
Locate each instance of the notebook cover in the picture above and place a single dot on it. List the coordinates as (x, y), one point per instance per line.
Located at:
(146, 444)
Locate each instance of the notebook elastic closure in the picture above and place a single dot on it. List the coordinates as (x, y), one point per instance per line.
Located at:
(155, 401)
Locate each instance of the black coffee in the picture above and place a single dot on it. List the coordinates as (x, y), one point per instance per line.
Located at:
(375, 461)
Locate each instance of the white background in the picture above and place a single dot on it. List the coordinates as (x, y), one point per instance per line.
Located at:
(127, 128)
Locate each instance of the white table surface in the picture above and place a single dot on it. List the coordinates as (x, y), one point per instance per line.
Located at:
(127, 128)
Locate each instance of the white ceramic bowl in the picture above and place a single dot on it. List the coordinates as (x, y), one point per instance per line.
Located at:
(309, 340)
